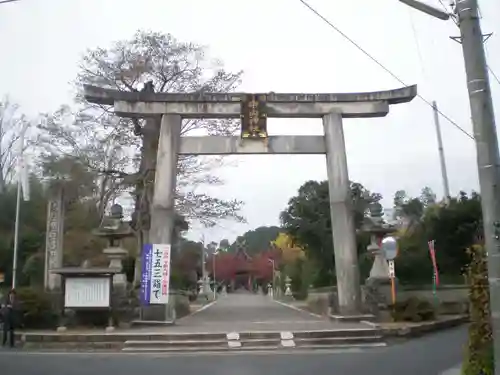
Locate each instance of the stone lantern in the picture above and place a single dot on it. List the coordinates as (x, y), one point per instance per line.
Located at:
(288, 284)
(115, 231)
(378, 283)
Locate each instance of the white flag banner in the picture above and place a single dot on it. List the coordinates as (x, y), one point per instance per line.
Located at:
(24, 178)
(22, 167)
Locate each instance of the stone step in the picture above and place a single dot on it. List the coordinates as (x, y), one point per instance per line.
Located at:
(140, 336)
(210, 344)
(264, 340)
(174, 343)
(197, 349)
(209, 341)
(252, 348)
(152, 323)
(260, 335)
(115, 337)
(337, 340)
(359, 332)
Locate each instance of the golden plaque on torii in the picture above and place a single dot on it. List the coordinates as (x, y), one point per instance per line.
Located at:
(253, 116)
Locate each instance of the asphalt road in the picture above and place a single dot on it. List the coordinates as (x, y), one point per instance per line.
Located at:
(429, 355)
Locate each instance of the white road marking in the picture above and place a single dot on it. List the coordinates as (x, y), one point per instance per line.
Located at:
(288, 343)
(456, 370)
(233, 336)
(288, 322)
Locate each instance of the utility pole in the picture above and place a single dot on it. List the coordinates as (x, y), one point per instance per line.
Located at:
(215, 253)
(485, 137)
(444, 173)
(203, 266)
(20, 175)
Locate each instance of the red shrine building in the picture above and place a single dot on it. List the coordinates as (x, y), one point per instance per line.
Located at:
(238, 269)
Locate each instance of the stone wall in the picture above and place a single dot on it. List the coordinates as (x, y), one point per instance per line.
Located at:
(452, 298)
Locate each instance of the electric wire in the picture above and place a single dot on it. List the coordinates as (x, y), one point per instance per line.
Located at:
(494, 75)
(447, 11)
(376, 61)
(417, 45)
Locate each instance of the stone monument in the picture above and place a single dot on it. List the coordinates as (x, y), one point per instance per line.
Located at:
(54, 236)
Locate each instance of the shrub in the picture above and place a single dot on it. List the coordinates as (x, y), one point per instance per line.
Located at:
(299, 285)
(413, 310)
(182, 307)
(318, 304)
(300, 295)
(36, 310)
(479, 353)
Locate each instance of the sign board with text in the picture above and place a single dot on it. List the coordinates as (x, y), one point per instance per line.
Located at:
(87, 292)
(392, 270)
(155, 276)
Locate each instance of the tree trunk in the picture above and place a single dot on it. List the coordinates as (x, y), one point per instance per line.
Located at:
(150, 137)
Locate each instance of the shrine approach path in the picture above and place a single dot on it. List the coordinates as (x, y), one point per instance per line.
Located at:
(245, 311)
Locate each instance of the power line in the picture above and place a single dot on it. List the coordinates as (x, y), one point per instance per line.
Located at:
(417, 45)
(494, 75)
(387, 70)
(7, 1)
(447, 10)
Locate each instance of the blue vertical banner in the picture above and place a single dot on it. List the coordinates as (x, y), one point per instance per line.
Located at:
(160, 274)
(147, 268)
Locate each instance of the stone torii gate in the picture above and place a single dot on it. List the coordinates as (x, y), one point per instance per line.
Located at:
(254, 110)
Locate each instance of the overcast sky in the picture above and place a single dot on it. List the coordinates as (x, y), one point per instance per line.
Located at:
(282, 47)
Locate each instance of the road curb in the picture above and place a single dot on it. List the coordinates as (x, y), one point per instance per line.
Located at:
(297, 309)
(423, 328)
(204, 307)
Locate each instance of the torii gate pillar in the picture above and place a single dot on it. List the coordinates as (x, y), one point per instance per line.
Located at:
(342, 217)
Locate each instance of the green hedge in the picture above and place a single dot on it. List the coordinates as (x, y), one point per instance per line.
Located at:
(413, 310)
(36, 309)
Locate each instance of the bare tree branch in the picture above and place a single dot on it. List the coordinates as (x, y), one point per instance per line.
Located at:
(11, 123)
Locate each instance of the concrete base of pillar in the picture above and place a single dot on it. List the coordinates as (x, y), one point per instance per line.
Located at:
(162, 313)
(158, 313)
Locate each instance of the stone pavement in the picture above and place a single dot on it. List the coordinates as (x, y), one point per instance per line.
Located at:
(245, 311)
